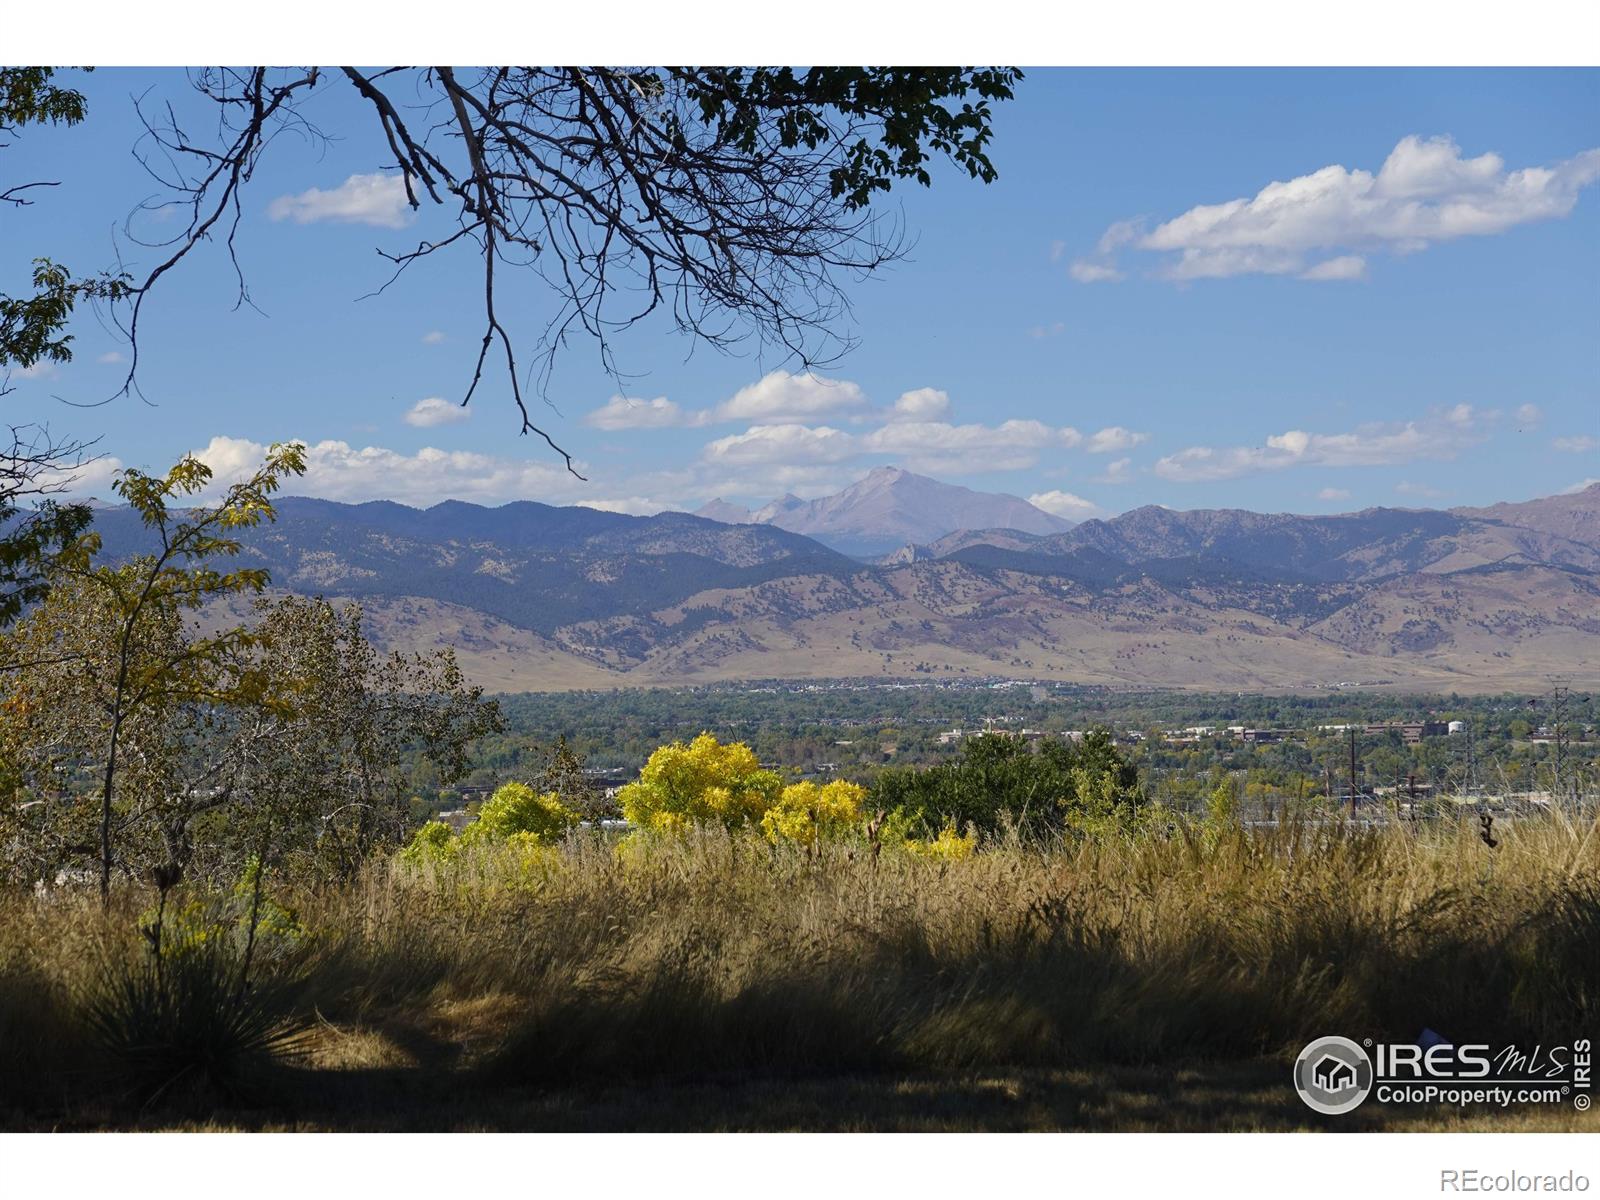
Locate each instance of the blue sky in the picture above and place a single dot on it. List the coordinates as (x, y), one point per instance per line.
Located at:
(1124, 318)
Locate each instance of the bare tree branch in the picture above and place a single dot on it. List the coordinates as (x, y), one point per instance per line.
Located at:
(735, 200)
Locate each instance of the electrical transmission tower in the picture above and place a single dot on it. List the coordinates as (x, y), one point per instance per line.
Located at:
(1560, 732)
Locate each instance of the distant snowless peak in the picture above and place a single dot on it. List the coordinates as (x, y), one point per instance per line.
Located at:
(891, 507)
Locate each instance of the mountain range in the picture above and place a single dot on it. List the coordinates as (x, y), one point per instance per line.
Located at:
(890, 508)
(535, 597)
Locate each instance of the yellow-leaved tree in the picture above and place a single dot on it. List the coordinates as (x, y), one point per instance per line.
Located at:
(701, 782)
(516, 810)
(806, 813)
(515, 815)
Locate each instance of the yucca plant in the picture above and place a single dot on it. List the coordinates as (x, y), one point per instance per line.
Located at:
(191, 1022)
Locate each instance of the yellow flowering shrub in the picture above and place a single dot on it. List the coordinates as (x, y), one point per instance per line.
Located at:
(947, 847)
(703, 781)
(515, 816)
(433, 842)
(532, 854)
(805, 812)
(516, 809)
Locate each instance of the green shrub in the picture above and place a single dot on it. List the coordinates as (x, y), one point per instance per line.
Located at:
(999, 777)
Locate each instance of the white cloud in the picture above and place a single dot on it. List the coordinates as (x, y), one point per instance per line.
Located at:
(338, 471)
(1581, 443)
(779, 397)
(435, 410)
(1102, 266)
(758, 483)
(376, 199)
(1424, 193)
(1116, 472)
(111, 357)
(916, 421)
(1115, 438)
(1529, 415)
(1346, 266)
(43, 369)
(937, 446)
(620, 412)
(433, 337)
(93, 478)
(1442, 435)
(1054, 329)
(923, 404)
(637, 506)
(1065, 504)
(1086, 270)
(1333, 493)
(1582, 485)
(782, 444)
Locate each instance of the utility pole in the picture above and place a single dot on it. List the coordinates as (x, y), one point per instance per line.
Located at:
(1558, 711)
(1352, 772)
(1472, 762)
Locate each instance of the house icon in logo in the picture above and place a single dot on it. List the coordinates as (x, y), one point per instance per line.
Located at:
(1333, 1075)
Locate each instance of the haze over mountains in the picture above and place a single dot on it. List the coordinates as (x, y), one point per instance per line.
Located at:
(890, 508)
(539, 597)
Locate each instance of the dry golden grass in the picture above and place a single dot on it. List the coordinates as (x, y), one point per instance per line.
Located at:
(1156, 982)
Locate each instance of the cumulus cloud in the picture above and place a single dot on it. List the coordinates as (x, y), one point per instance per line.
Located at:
(1052, 330)
(1581, 443)
(1114, 438)
(1117, 472)
(779, 397)
(434, 337)
(1582, 485)
(335, 470)
(1333, 493)
(1065, 504)
(111, 357)
(1424, 193)
(923, 404)
(43, 369)
(92, 478)
(1346, 266)
(435, 410)
(375, 199)
(621, 412)
(937, 446)
(1529, 415)
(1442, 435)
(915, 424)
(787, 443)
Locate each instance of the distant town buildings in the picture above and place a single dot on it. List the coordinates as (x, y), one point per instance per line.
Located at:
(1263, 737)
(1411, 732)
